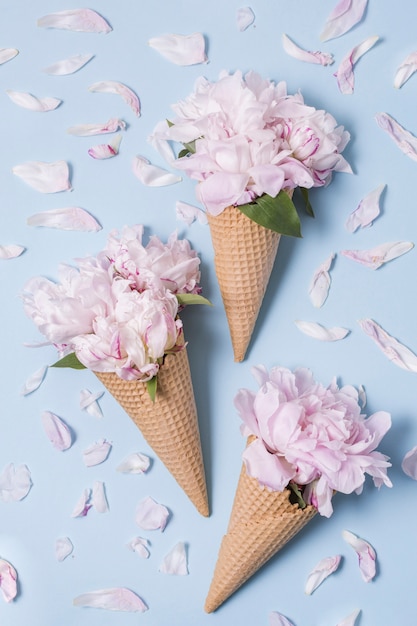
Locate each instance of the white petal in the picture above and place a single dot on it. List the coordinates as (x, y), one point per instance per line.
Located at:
(34, 381)
(88, 130)
(362, 396)
(140, 546)
(366, 555)
(409, 463)
(98, 498)
(11, 251)
(321, 571)
(350, 619)
(319, 58)
(181, 49)
(89, 402)
(68, 218)
(276, 619)
(320, 283)
(56, 430)
(111, 86)
(83, 504)
(377, 256)
(135, 463)
(96, 453)
(79, 20)
(44, 177)
(405, 70)
(150, 515)
(7, 54)
(106, 150)
(28, 101)
(345, 15)
(152, 175)
(8, 580)
(405, 141)
(68, 66)
(63, 548)
(114, 599)
(15, 483)
(344, 75)
(366, 212)
(188, 213)
(175, 562)
(244, 18)
(317, 331)
(396, 352)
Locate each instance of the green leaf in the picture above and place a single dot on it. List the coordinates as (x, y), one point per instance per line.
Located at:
(307, 203)
(183, 153)
(296, 495)
(192, 298)
(151, 386)
(70, 360)
(170, 123)
(278, 214)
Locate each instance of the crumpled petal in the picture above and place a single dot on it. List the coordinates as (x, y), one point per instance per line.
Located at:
(367, 211)
(181, 49)
(244, 18)
(113, 599)
(15, 483)
(32, 103)
(7, 54)
(44, 177)
(68, 218)
(150, 515)
(175, 562)
(405, 70)
(276, 619)
(106, 150)
(405, 141)
(78, 20)
(56, 430)
(112, 86)
(96, 453)
(321, 571)
(350, 619)
(68, 66)
(152, 175)
(395, 351)
(345, 15)
(377, 256)
(34, 381)
(83, 504)
(135, 463)
(366, 555)
(320, 283)
(98, 497)
(89, 402)
(319, 58)
(140, 546)
(8, 580)
(189, 213)
(344, 75)
(317, 331)
(11, 251)
(409, 463)
(87, 130)
(63, 548)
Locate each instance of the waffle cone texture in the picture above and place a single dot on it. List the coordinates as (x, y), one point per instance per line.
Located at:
(170, 424)
(261, 523)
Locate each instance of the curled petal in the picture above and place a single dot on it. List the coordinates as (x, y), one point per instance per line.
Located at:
(79, 20)
(15, 483)
(56, 430)
(63, 548)
(150, 515)
(188, 213)
(7, 54)
(11, 251)
(68, 218)
(96, 453)
(98, 497)
(319, 58)
(350, 619)
(175, 562)
(322, 570)
(106, 150)
(152, 175)
(317, 331)
(409, 463)
(89, 402)
(320, 283)
(345, 15)
(395, 351)
(113, 599)
(366, 555)
(405, 70)
(276, 619)
(83, 504)
(44, 177)
(68, 66)
(366, 212)
(27, 101)
(405, 141)
(135, 463)
(87, 130)
(344, 75)
(375, 257)
(112, 86)
(181, 49)
(140, 546)
(244, 18)
(34, 381)
(8, 580)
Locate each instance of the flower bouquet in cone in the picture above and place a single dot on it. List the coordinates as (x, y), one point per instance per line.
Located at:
(250, 144)
(305, 443)
(118, 314)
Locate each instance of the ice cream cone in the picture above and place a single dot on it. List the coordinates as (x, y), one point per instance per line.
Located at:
(261, 523)
(170, 424)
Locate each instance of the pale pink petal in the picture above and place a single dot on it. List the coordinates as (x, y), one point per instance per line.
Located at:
(317, 331)
(276, 619)
(320, 283)
(244, 18)
(320, 58)
(68, 218)
(135, 463)
(189, 213)
(7, 54)
(175, 562)
(44, 177)
(113, 599)
(405, 141)
(96, 453)
(11, 251)
(89, 402)
(395, 351)
(321, 571)
(88, 130)
(409, 463)
(377, 256)
(345, 15)
(83, 504)
(79, 20)
(32, 103)
(150, 515)
(366, 555)
(367, 211)
(56, 430)
(15, 483)
(112, 86)
(152, 175)
(63, 548)
(405, 70)
(140, 546)
(106, 150)
(181, 49)
(350, 619)
(68, 66)
(8, 580)
(34, 381)
(98, 497)
(344, 75)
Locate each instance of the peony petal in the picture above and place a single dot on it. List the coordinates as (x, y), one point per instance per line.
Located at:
(34, 381)
(106, 150)
(88, 402)
(276, 619)
(11, 251)
(96, 453)
(140, 546)
(409, 463)
(7, 54)
(320, 283)
(150, 515)
(321, 571)
(68, 66)
(405, 70)
(350, 619)
(79, 20)
(152, 175)
(98, 497)
(8, 580)
(68, 218)
(181, 49)
(83, 504)
(15, 483)
(188, 213)
(135, 463)
(175, 562)
(32, 103)
(405, 141)
(317, 331)
(44, 177)
(319, 58)
(366, 555)
(344, 75)
(113, 599)
(63, 548)
(56, 430)
(383, 253)
(396, 352)
(112, 86)
(245, 17)
(366, 212)
(87, 130)
(345, 15)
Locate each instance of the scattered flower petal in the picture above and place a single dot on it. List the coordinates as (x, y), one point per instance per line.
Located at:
(88, 130)
(366, 555)
(405, 141)
(320, 58)
(114, 599)
(68, 66)
(181, 49)
(15, 483)
(152, 175)
(68, 218)
(244, 18)
(395, 351)
(276, 619)
(175, 562)
(377, 256)
(98, 498)
(44, 177)
(362, 396)
(7, 54)
(56, 430)
(89, 402)
(345, 15)
(405, 70)
(63, 548)
(112, 86)
(366, 212)
(322, 570)
(140, 546)
(8, 580)
(150, 515)
(317, 331)
(83, 505)
(78, 20)
(350, 619)
(344, 75)
(34, 381)
(135, 463)
(320, 283)
(96, 453)
(106, 150)
(11, 251)
(188, 213)
(409, 463)
(32, 103)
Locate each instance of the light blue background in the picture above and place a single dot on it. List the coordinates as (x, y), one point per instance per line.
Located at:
(109, 190)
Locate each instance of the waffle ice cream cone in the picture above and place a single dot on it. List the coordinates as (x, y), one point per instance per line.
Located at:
(261, 523)
(170, 424)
